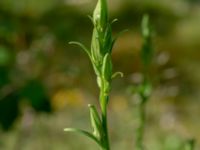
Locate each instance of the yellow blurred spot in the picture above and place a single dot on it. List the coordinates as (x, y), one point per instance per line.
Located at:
(67, 98)
(119, 103)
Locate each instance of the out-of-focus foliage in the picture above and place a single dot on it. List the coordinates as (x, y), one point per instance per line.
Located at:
(39, 69)
(9, 110)
(34, 92)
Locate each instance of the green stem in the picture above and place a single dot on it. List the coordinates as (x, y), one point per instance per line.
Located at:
(104, 101)
(106, 145)
(141, 126)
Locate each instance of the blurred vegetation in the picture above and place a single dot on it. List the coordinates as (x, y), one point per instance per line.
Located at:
(40, 72)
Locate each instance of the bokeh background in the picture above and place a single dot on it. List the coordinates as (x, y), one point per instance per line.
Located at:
(46, 84)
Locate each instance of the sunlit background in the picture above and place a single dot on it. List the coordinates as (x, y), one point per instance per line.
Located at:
(46, 84)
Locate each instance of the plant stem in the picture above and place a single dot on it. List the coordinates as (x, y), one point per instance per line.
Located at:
(104, 97)
(100, 55)
(106, 145)
(145, 87)
(141, 126)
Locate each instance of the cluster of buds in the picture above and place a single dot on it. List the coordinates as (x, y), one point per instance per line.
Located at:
(101, 46)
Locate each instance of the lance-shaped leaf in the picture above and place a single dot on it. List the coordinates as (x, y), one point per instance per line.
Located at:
(116, 37)
(95, 121)
(85, 133)
(97, 69)
(114, 21)
(100, 15)
(107, 40)
(117, 74)
(96, 48)
(82, 46)
(107, 67)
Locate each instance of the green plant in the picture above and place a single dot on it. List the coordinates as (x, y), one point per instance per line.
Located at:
(100, 57)
(145, 88)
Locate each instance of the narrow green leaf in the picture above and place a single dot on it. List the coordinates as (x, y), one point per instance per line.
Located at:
(114, 21)
(96, 48)
(120, 33)
(82, 46)
(107, 67)
(117, 36)
(95, 121)
(85, 133)
(117, 74)
(107, 40)
(91, 19)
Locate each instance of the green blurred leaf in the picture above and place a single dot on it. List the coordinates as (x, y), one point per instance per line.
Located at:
(35, 92)
(9, 110)
(145, 90)
(85, 133)
(5, 56)
(4, 76)
(190, 144)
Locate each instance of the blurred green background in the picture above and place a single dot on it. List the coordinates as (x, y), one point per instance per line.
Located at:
(46, 84)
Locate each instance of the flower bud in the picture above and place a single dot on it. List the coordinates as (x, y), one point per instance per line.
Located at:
(96, 48)
(107, 67)
(100, 15)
